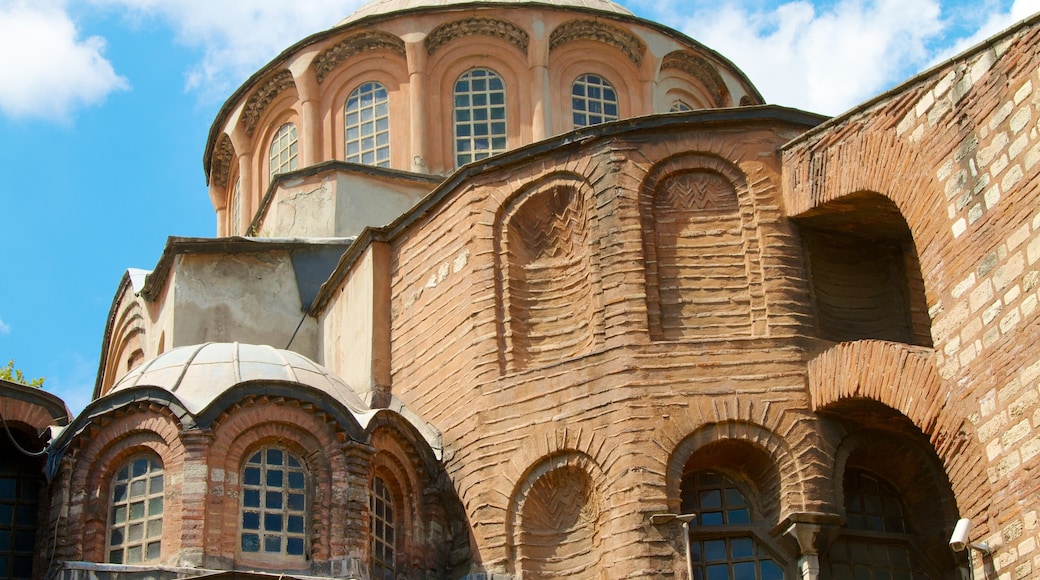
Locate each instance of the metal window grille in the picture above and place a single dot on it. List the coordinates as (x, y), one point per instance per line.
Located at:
(136, 512)
(480, 115)
(383, 530)
(367, 125)
(284, 150)
(593, 101)
(274, 504)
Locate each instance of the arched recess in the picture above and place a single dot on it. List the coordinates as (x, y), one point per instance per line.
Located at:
(864, 271)
(126, 341)
(555, 523)
(703, 259)
(685, 71)
(893, 494)
(590, 56)
(107, 445)
(547, 278)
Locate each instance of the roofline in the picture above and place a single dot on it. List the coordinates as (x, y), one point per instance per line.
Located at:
(242, 91)
(583, 137)
(106, 338)
(52, 403)
(914, 80)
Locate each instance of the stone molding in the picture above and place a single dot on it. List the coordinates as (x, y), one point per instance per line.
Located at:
(331, 57)
(222, 158)
(700, 69)
(623, 40)
(262, 97)
(503, 29)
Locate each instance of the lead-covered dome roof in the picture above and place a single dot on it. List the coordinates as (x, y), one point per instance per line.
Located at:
(379, 7)
(198, 374)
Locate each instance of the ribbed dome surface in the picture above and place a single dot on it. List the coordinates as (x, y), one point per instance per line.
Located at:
(389, 6)
(198, 374)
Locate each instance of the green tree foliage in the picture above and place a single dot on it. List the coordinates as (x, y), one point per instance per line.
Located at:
(9, 373)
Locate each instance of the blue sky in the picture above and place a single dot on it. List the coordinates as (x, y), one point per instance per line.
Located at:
(105, 106)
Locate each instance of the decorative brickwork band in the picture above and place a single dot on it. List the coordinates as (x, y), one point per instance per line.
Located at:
(262, 97)
(330, 58)
(702, 70)
(503, 29)
(619, 38)
(222, 159)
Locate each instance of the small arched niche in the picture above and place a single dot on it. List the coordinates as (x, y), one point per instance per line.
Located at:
(864, 271)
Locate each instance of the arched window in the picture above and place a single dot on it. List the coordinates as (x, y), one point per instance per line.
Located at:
(479, 115)
(381, 504)
(135, 517)
(274, 505)
(593, 101)
(21, 479)
(367, 125)
(236, 208)
(284, 150)
(679, 106)
(721, 543)
(876, 542)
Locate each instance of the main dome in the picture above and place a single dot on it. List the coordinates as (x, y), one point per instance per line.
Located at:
(376, 7)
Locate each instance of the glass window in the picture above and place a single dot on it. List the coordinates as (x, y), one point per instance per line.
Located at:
(733, 553)
(383, 527)
(593, 101)
(135, 515)
(236, 208)
(367, 125)
(274, 504)
(284, 150)
(21, 479)
(876, 543)
(479, 115)
(679, 106)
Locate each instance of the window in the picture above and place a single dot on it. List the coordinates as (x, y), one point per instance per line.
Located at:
(284, 150)
(367, 125)
(680, 106)
(382, 507)
(480, 115)
(274, 505)
(21, 478)
(876, 543)
(136, 512)
(593, 101)
(236, 208)
(729, 552)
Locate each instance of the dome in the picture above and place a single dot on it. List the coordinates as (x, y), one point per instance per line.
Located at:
(198, 374)
(376, 7)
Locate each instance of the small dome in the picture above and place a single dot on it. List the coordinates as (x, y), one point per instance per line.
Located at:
(390, 6)
(199, 374)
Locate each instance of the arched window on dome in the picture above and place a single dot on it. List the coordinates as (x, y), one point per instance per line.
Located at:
(877, 541)
(284, 150)
(479, 115)
(384, 529)
(721, 542)
(236, 209)
(679, 106)
(367, 125)
(135, 516)
(593, 101)
(274, 506)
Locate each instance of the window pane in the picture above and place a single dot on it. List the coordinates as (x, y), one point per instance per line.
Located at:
(593, 93)
(479, 97)
(367, 113)
(267, 506)
(136, 513)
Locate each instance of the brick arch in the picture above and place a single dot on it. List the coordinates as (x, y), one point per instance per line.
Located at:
(394, 464)
(781, 493)
(246, 428)
(545, 238)
(555, 510)
(682, 190)
(903, 378)
(700, 70)
(96, 462)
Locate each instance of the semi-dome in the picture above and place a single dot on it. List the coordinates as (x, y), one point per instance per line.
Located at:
(390, 6)
(198, 374)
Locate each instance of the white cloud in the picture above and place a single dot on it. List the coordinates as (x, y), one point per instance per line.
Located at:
(4, 327)
(236, 36)
(47, 69)
(820, 59)
(996, 22)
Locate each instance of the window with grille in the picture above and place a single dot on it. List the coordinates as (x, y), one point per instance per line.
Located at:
(679, 106)
(383, 529)
(136, 512)
(876, 543)
(479, 115)
(593, 101)
(21, 479)
(274, 505)
(721, 543)
(367, 125)
(236, 208)
(284, 150)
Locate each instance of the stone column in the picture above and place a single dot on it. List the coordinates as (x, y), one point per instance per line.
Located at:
(809, 560)
(415, 52)
(541, 92)
(310, 130)
(250, 199)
